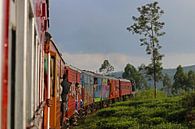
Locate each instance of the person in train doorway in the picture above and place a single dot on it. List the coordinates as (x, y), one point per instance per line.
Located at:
(76, 114)
(64, 96)
(77, 97)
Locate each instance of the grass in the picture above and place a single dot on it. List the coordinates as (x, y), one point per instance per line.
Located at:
(142, 112)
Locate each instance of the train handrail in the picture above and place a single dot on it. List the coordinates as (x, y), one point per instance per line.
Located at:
(36, 121)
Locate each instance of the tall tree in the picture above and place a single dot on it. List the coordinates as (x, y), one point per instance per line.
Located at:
(167, 84)
(106, 67)
(180, 79)
(149, 27)
(142, 70)
(132, 74)
(158, 71)
(191, 80)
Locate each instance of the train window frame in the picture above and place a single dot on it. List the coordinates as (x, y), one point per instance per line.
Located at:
(52, 74)
(12, 53)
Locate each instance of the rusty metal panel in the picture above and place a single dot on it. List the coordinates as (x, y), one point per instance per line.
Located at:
(39, 8)
(4, 107)
(125, 87)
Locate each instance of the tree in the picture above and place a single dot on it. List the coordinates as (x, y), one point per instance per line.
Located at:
(180, 79)
(158, 71)
(143, 72)
(149, 26)
(106, 67)
(132, 74)
(191, 80)
(167, 84)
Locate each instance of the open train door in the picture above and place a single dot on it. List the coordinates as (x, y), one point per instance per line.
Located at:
(52, 80)
(52, 87)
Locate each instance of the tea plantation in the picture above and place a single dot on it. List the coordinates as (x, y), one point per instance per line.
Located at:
(143, 112)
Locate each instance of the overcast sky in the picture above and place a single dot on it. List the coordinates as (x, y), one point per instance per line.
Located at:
(89, 31)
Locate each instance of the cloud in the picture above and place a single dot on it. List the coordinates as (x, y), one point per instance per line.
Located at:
(175, 59)
(93, 62)
(93, 26)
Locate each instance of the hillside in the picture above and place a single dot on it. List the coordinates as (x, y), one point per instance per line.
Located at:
(170, 72)
(141, 112)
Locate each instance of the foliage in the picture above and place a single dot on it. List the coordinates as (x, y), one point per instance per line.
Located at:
(169, 126)
(141, 113)
(190, 84)
(106, 67)
(180, 79)
(177, 115)
(147, 94)
(132, 74)
(167, 84)
(183, 82)
(188, 100)
(166, 81)
(149, 26)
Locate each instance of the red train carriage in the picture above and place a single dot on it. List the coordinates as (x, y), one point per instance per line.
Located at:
(74, 96)
(53, 73)
(22, 33)
(114, 88)
(125, 88)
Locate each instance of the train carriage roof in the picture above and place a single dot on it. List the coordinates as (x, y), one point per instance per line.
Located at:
(56, 49)
(73, 68)
(88, 72)
(110, 77)
(124, 80)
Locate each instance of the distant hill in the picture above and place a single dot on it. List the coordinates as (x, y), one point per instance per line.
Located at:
(117, 74)
(170, 72)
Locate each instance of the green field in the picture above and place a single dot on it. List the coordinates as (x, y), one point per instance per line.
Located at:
(142, 112)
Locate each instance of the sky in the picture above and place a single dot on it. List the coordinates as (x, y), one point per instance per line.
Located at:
(89, 31)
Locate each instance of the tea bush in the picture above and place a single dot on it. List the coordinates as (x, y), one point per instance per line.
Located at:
(141, 112)
(169, 126)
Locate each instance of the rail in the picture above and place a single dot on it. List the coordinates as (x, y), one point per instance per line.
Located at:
(36, 121)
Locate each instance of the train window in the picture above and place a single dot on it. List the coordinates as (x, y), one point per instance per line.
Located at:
(13, 62)
(58, 85)
(95, 81)
(52, 76)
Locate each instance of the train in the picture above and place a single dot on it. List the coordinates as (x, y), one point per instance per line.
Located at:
(32, 68)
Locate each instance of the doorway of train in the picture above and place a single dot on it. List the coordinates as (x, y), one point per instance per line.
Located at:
(12, 77)
(52, 91)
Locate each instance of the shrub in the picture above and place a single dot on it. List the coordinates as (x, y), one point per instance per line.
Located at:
(156, 120)
(177, 115)
(110, 111)
(116, 123)
(106, 112)
(148, 94)
(169, 126)
(142, 112)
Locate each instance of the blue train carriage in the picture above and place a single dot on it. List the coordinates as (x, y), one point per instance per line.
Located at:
(87, 80)
(105, 91)
(98, 90)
